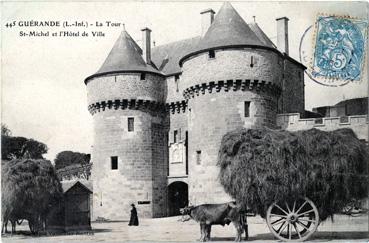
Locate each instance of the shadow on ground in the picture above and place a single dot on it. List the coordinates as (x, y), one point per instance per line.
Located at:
(22, 234)
(352, 235)
(101, 230)
(252, 238)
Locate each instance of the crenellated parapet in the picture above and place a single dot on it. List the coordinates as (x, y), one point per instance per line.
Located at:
(124, 104)
(232, 85)
(177, 106)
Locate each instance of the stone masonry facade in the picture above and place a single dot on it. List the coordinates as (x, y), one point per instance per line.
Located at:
(156, 127)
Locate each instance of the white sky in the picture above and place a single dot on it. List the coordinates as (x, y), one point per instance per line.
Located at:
(43, 94)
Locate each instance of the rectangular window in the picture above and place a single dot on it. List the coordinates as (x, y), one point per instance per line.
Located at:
(211, 54)
(131, 124)
(198, 157)
(247, 108)
(114, 162)
(175, 136)
(143, 76)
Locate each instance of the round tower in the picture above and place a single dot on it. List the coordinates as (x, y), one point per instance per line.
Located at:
(232, 80)
(129, 155)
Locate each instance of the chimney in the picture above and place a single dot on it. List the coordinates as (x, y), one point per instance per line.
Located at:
(146, 45)
(207, 17)
(282, 34)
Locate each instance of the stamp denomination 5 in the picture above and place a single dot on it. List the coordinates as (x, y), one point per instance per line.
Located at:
(340, 47)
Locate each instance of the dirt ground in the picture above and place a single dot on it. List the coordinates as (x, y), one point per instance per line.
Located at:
(343, 229)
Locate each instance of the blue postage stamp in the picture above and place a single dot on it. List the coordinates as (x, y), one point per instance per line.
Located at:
(340, 47)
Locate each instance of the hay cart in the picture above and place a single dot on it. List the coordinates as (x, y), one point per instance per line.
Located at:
(293, 221)
(294, 180)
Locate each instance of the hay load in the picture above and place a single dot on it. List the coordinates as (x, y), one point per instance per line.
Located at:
(29, 189)
(261, 166)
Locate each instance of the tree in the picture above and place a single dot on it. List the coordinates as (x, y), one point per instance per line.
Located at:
(66, 158)
(20, 147)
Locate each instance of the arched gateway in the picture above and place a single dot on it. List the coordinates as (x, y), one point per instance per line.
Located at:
(177, 197)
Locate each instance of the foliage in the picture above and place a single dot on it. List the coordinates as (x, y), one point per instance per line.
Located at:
(66, 158)
(29, 189)
(5, 131)
(260, 166)
(21, 147)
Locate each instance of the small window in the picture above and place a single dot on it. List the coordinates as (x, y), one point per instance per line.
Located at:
(247, 108)
(176, 80)
(143, 76)
(175, 136)
(114, 162)
(252, 62)
(131, 124)
(211, 54)
(198, 157)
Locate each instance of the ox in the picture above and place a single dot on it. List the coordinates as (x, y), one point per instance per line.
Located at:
(216, 214)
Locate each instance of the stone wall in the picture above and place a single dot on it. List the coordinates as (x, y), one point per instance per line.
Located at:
(207, 101)
(210, 117)
(142, 153)
(293, 89)
(177, 149)
(217, 90)
(178, 123)
(174, 88)
(233, 64)
(293, 122)
(159, 169)
(127, 86)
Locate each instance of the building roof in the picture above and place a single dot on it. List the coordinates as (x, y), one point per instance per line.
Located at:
(125, 56)
(229, 30)
(357, 101)
(67, 185)
(261, 35)
(166, 57)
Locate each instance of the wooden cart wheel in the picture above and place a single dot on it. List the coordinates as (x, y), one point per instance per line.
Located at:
(295, 221)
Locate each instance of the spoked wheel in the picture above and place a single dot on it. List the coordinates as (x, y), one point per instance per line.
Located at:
(295, 221)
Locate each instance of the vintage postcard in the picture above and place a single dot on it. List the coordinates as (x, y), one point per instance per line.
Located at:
(184, 121)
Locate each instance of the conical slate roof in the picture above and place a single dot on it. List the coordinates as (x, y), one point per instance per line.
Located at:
(261, 35)
(124, 56)
(228, 29)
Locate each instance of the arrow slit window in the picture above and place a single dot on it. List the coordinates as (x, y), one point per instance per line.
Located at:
(131, 124)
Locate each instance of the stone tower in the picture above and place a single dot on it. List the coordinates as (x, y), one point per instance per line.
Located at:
(158, 130)
(233, 80)
(126, 100)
